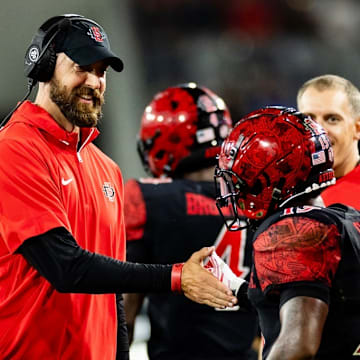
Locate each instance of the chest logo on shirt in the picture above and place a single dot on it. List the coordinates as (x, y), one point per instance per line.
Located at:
(108, 191)
(66, 182)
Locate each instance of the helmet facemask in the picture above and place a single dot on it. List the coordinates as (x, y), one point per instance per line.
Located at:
(228, 194)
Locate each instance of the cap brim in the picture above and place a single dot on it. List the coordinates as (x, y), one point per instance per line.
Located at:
(91, 54)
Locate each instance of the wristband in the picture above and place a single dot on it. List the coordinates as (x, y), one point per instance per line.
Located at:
(176, 277)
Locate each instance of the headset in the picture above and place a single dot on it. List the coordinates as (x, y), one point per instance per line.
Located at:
(40, 57)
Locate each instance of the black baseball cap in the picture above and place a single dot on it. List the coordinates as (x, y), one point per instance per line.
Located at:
(85, 42)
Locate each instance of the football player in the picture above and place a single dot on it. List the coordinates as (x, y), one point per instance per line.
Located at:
(305, 280)
(173, 212)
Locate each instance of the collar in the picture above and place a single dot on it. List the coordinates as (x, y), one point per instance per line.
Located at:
(38, 117)
(339, 179)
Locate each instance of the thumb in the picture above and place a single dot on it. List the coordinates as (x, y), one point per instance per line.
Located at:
(200, 255)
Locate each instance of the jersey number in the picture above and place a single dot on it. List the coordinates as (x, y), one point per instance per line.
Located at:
(230, 246)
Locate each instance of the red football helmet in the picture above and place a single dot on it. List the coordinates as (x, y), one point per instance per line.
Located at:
(182, 130)
(271, 156)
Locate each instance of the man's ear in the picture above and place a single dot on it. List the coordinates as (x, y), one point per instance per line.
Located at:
(357, 128)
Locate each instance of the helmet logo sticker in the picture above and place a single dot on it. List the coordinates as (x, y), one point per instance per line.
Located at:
(205, 135)
(224, 131)
(213, 119)
(207, 104)
(318, 158)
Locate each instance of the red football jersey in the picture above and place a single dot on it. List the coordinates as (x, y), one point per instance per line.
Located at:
(47, 182)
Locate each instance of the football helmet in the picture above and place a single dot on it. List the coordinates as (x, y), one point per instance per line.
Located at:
(271, 156)
(182, 129)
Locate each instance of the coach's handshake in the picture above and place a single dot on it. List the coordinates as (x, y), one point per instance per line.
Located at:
(199, 285)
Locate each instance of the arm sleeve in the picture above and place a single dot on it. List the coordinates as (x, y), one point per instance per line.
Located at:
(315, 290)
(122, 348)
(297, 252)
(69, 268)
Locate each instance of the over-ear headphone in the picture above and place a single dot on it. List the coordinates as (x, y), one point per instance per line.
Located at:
(40, 57)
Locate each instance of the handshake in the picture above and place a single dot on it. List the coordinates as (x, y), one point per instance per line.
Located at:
(236, 284)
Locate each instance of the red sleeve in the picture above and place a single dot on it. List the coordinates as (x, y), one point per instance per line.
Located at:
(297, 249)
(134, 210)
(30, 201)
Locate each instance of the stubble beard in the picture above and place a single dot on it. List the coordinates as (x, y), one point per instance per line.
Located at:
(78, 113)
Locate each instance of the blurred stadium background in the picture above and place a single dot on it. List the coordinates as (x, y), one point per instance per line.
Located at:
(251, 52)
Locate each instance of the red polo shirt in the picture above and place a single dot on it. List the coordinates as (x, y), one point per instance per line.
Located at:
(46, 183)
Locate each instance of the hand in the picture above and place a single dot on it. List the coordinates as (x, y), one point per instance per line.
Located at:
(199, 285)
(221, 271)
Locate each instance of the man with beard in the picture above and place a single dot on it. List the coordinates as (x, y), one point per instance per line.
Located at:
(334, 102)
(62, 237)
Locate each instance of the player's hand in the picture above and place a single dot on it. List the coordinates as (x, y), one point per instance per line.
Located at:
(239, 286)
(199, 285)
(221, 271)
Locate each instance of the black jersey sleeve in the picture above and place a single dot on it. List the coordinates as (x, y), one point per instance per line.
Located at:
(70, 268)
(316, 290)
(243, 299)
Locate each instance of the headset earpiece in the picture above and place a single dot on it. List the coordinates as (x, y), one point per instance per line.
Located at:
(44, 68)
